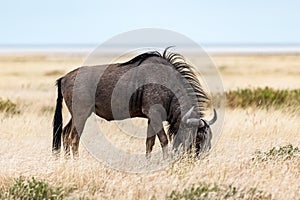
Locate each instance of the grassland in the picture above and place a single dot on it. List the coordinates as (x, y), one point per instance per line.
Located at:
(256, 157)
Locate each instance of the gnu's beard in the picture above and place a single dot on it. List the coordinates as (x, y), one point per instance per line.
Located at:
(203, 142)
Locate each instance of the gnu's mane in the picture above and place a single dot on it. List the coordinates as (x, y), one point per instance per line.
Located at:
(194, 88)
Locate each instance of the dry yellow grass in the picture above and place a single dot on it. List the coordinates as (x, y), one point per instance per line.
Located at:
(278, 71)
(25, 139)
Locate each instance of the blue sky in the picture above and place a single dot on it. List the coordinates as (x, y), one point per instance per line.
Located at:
(92, 22)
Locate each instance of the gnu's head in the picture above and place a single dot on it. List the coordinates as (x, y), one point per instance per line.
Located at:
(202, 132)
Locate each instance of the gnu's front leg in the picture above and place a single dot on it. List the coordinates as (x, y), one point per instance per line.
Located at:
(163, 142)
(150, 141)
(155, 127)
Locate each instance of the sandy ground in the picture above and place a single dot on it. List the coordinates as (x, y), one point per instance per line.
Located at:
(25, 139)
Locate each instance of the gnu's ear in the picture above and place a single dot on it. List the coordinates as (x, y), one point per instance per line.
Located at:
(187, 115)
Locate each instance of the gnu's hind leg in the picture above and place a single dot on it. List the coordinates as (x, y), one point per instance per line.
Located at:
(77, 129)
(75, 138)
(66, 138)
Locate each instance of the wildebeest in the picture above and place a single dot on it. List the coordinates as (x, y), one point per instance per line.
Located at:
(158, 87)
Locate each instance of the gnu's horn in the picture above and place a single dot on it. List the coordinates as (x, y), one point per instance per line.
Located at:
(214, 119)
(197, 122)
(187, 115)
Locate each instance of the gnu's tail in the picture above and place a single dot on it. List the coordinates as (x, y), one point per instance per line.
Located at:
(57, 121)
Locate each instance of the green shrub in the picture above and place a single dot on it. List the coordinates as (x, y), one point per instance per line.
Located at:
(283, 152)
(32, 189)
(263, 97)
(8, 107)
(213, 191)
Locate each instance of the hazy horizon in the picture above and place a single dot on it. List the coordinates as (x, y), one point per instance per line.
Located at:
(209, 48)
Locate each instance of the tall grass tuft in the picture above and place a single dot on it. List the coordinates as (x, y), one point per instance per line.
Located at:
(8, 107)
(263, 98)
